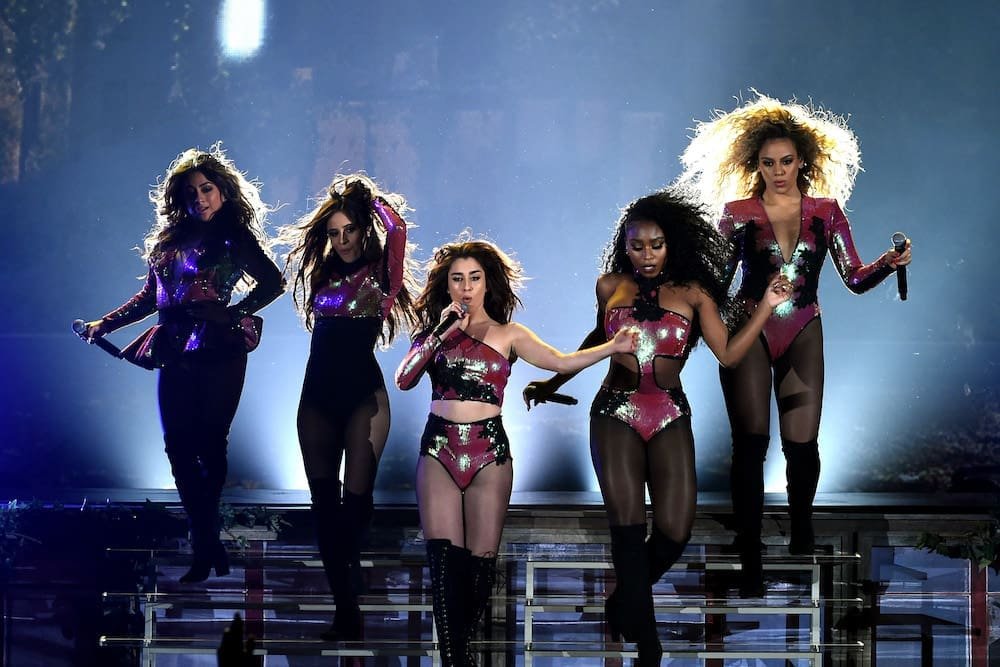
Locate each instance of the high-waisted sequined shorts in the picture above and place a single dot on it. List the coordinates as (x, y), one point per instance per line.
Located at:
(465, 448)
(646, 413)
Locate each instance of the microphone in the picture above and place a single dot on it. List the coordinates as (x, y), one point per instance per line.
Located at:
(561, 399)
(449, 319)
(899, 245)
(80, 329)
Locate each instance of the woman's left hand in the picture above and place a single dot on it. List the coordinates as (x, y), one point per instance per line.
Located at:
(900, 258)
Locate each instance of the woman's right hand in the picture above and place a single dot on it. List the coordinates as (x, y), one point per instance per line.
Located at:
(538, 391)
(626, 340)
(460, 310)
(778, 291)
(94, 329)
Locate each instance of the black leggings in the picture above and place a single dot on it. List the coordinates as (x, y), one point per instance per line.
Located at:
(198, 400)
(625, 465)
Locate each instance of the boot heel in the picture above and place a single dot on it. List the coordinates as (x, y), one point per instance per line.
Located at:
(220, 560)
(611, 616)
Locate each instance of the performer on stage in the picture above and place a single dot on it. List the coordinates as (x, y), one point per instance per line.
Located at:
(789, 168)
(352, 288)
(208, 241)
(663, 274)
(467, 343)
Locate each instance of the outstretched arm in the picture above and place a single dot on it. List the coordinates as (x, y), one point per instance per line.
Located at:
(538, 353)
(140, 306)
(731, 350)
(540, 390)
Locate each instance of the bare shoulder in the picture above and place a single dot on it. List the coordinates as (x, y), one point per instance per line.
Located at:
(695, 294)
(608, 283)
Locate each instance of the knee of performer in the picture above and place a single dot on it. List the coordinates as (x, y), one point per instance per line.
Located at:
(808, 449)
(750, 446)
(324, 491)
(679, 535)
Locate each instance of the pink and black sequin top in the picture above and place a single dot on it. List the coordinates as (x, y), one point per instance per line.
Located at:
(823, 228)
(190, 283)
(462, 368)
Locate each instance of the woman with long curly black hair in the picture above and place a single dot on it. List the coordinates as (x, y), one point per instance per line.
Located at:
(351, 283)
(208, 241)
(663, 275)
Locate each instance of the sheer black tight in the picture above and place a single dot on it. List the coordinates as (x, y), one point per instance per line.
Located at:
(472, 519)
(359, 436)
(626, 465)
(797, 378)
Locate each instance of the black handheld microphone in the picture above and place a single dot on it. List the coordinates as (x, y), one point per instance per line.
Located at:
(449, 319)
(80, 329)
(561, 399)
(899, 245)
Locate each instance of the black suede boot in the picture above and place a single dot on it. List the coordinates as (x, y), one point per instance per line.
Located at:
(802, 474)
(747, 488)
(449, 571)
(630, 610)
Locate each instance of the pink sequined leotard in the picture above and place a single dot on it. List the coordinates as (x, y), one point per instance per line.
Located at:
(461, 368)
(823, 228)
(649, 408)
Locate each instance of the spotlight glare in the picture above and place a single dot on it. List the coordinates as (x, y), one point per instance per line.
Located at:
(241, 27)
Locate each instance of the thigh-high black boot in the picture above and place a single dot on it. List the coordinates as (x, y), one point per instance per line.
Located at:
(802, 475)
(355, 521)
(630, 612)
(197, 476)
(747, 488)
(327, 510)
(482, 581)
(449, 570)
(663, 553)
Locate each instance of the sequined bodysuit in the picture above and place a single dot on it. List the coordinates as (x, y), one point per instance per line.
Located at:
(190, 283)
(647, 408)
(461, 368)
(824, 228)
(349, 312)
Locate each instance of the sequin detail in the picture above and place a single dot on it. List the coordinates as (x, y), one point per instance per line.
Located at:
(465, 448)
(355, 295)
(467, 369)
(823, 228)
(648, 409)
(647, 413)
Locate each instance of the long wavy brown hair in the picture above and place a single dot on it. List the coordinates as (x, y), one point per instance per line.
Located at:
(504, 278)
(309, 260)
(169, 197)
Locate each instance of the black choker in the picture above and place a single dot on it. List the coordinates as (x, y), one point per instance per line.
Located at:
(646, 307)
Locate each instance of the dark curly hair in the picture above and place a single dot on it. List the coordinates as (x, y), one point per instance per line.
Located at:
(170, 199)
(311, 261)
(504, 278)
(696, 252)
